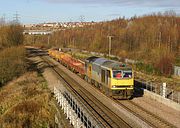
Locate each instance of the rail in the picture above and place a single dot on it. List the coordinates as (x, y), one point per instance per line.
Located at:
(98, 110)
(152, 119)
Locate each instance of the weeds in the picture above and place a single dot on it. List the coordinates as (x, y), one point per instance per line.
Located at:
(32, 109)
(12, 63)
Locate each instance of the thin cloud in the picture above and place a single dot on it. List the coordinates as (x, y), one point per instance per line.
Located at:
(114, 14)
(136, 3)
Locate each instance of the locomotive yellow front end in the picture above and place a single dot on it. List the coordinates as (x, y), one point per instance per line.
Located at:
(113, 78)
(122, 83)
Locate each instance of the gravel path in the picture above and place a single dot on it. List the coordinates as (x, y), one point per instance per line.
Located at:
(52, 81)
(153, 106)
(159, 109)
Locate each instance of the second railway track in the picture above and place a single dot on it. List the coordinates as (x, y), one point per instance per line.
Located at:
(108, 118)
(102, 112)
(152, 119)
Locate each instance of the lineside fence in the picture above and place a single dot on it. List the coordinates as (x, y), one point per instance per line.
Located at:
(150, 86)
(74, 109)
(160, 89)
(155, 88)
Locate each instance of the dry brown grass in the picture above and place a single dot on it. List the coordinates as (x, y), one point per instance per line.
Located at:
(12, 63)
(26, 103)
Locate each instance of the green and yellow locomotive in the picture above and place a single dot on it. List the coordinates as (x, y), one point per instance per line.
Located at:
(113, 78)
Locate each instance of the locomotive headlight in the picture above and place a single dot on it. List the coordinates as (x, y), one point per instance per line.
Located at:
(113, 86)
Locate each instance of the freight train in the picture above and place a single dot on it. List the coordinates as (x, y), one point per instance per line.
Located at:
(113, 78)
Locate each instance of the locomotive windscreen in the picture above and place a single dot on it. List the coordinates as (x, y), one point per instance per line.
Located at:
(118, 74)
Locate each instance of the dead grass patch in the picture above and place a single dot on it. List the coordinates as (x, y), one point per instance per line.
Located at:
(26, 102)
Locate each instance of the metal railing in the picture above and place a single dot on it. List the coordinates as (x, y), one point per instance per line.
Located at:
(75, 110)
(160, 90)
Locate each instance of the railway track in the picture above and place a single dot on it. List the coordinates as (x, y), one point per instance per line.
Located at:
(152, 119)
(108, 118)
(102, 113)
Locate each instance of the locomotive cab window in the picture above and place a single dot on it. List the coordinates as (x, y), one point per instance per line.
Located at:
(117, 74)
(127, 74)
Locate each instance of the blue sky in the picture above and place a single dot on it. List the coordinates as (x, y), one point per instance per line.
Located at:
(37, 11)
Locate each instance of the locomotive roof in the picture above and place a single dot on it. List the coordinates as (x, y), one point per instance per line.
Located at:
(114, 65)
(101, 61)
(118, 66)
(91, 59)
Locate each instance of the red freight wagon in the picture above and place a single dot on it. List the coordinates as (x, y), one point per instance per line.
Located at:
(67, 60)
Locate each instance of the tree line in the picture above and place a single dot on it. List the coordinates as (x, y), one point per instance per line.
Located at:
(11, 35)
(153, 39)
(12, 53)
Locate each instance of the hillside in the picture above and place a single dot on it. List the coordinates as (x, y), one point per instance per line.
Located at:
(26, 102)
(152, 40)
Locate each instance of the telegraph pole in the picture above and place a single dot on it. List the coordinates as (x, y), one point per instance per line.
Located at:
(110, 38)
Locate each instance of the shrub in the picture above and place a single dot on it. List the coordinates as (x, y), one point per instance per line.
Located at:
(15, 35)
(140, 66)
(12, 63)
(165, 65)
(11, 35)
(149, 68)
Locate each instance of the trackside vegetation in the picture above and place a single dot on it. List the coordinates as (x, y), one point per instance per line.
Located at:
(25, 100)
(11, 35)
(25, 103)
(12, 53)
(12, 63)
(153, 40)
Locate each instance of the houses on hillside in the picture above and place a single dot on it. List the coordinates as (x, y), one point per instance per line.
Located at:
(58, 25)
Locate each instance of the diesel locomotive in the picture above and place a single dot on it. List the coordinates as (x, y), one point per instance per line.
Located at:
(113, 78)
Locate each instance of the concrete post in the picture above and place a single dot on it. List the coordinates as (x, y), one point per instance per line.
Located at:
(178, 97)
(73, 118)
(58, 94)
(151, 87)
(164, 90)
(67, 110)
(54, 90)
(79, 123)
(62, 102)
(70, 115)
(60, 99)
(147, 85)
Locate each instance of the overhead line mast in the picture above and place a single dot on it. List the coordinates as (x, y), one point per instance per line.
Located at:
(16, 18)
(110, 38)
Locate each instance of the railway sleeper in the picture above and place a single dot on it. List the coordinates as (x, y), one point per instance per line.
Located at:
(75, 112)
